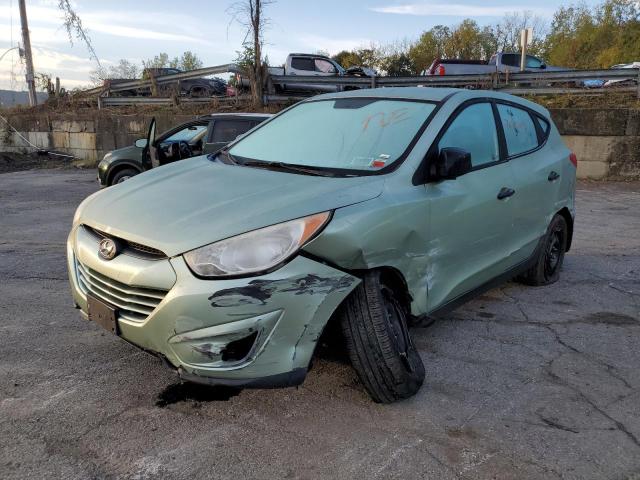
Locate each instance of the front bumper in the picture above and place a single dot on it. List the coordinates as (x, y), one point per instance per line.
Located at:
(258, 331)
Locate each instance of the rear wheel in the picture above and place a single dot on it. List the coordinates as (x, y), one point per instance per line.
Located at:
(546, 269)
(374, 323)
(123, 175)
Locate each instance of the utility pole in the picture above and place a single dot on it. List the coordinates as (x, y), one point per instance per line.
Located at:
(28, 58)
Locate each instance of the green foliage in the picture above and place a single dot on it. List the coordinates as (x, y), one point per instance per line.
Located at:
(599, 37)
(188, 61)
(246, 57)
(578, 37)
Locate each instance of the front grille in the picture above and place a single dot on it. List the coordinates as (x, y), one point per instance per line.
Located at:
(132, 248)
(133, 303)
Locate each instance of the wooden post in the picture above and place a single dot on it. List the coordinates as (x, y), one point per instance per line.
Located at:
(57, 86)
(154, 84)
(524, 40)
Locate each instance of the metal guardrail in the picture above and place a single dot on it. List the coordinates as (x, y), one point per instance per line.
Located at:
(201, 72)
(119, 101)
(497, 79)
(517, 83)
(566, 91)
(120, 86)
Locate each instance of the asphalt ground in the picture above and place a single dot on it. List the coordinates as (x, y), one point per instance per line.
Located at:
(520, 383)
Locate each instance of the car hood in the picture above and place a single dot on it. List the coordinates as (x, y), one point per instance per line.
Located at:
(194, 202)
(131, 153)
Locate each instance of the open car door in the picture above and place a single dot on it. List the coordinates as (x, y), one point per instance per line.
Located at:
(151, 151)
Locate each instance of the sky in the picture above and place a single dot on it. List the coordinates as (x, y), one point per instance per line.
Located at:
(138, 30)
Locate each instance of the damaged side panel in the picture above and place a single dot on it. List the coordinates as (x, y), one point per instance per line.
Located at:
(445, 238)
(393, 234)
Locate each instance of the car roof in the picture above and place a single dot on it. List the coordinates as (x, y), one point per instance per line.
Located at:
(314, 55)
(430, 94)
(234, 115)
(407, 93)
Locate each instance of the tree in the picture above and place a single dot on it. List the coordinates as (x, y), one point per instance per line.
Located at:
(123, 69)
(250, 15)
(398, 64)
(598, 37)
(159, 61)
(429, 46)
(189, 61)
(507, 32)
(73, 25)
(465, 41)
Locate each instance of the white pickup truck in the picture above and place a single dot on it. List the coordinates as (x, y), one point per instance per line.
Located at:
(306, 64)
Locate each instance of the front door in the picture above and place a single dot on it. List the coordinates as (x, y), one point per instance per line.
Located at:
(470, 216)
(152, 151)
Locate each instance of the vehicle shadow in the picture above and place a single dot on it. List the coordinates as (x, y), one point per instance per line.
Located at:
(193, 392)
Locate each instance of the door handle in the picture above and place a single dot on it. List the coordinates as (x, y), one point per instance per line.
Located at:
(553, 176)
(505, 193)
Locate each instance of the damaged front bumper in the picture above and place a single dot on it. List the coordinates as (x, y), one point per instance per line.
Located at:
(255, 332)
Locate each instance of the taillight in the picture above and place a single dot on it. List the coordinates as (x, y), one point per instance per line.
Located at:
(441, 70)
(573, 159)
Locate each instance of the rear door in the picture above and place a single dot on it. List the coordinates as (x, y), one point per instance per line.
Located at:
(223, 131)
(471, 227)
(537, 170)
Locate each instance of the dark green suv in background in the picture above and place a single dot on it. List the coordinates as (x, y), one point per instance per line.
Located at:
(206, 134)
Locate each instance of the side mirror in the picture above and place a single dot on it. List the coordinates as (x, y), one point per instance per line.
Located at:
(543, 66)
(141, 143)
(452, 162)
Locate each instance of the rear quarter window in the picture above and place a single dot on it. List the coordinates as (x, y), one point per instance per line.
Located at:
(544, 127)
(520, 132)
(228, 130)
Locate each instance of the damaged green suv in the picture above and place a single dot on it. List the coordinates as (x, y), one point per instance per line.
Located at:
(371, 207)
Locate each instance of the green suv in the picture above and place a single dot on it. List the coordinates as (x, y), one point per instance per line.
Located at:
(372, 208)
(206, 134)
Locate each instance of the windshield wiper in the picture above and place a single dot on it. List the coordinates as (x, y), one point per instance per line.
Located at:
(229, 159)
(287, 167)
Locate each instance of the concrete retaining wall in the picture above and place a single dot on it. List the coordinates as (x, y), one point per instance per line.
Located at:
(606, 141)
(86, 136)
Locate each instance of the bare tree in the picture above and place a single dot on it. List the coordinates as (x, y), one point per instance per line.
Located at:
(250, 15)
(73, 25)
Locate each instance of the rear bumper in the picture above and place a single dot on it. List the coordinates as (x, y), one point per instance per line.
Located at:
(253, 332)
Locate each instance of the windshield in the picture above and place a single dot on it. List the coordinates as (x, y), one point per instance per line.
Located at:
(348, 133)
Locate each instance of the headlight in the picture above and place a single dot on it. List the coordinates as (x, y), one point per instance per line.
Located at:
(255, 251)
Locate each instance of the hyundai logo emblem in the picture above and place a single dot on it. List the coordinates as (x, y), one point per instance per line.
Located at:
(108, 249)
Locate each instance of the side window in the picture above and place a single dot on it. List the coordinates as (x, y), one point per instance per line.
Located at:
(533, 62)
(303, 63)
(511, 59)
(324, 66)
(544, 126)
(474, 130)
(225, 131)
(519, 130)
(188, 134)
